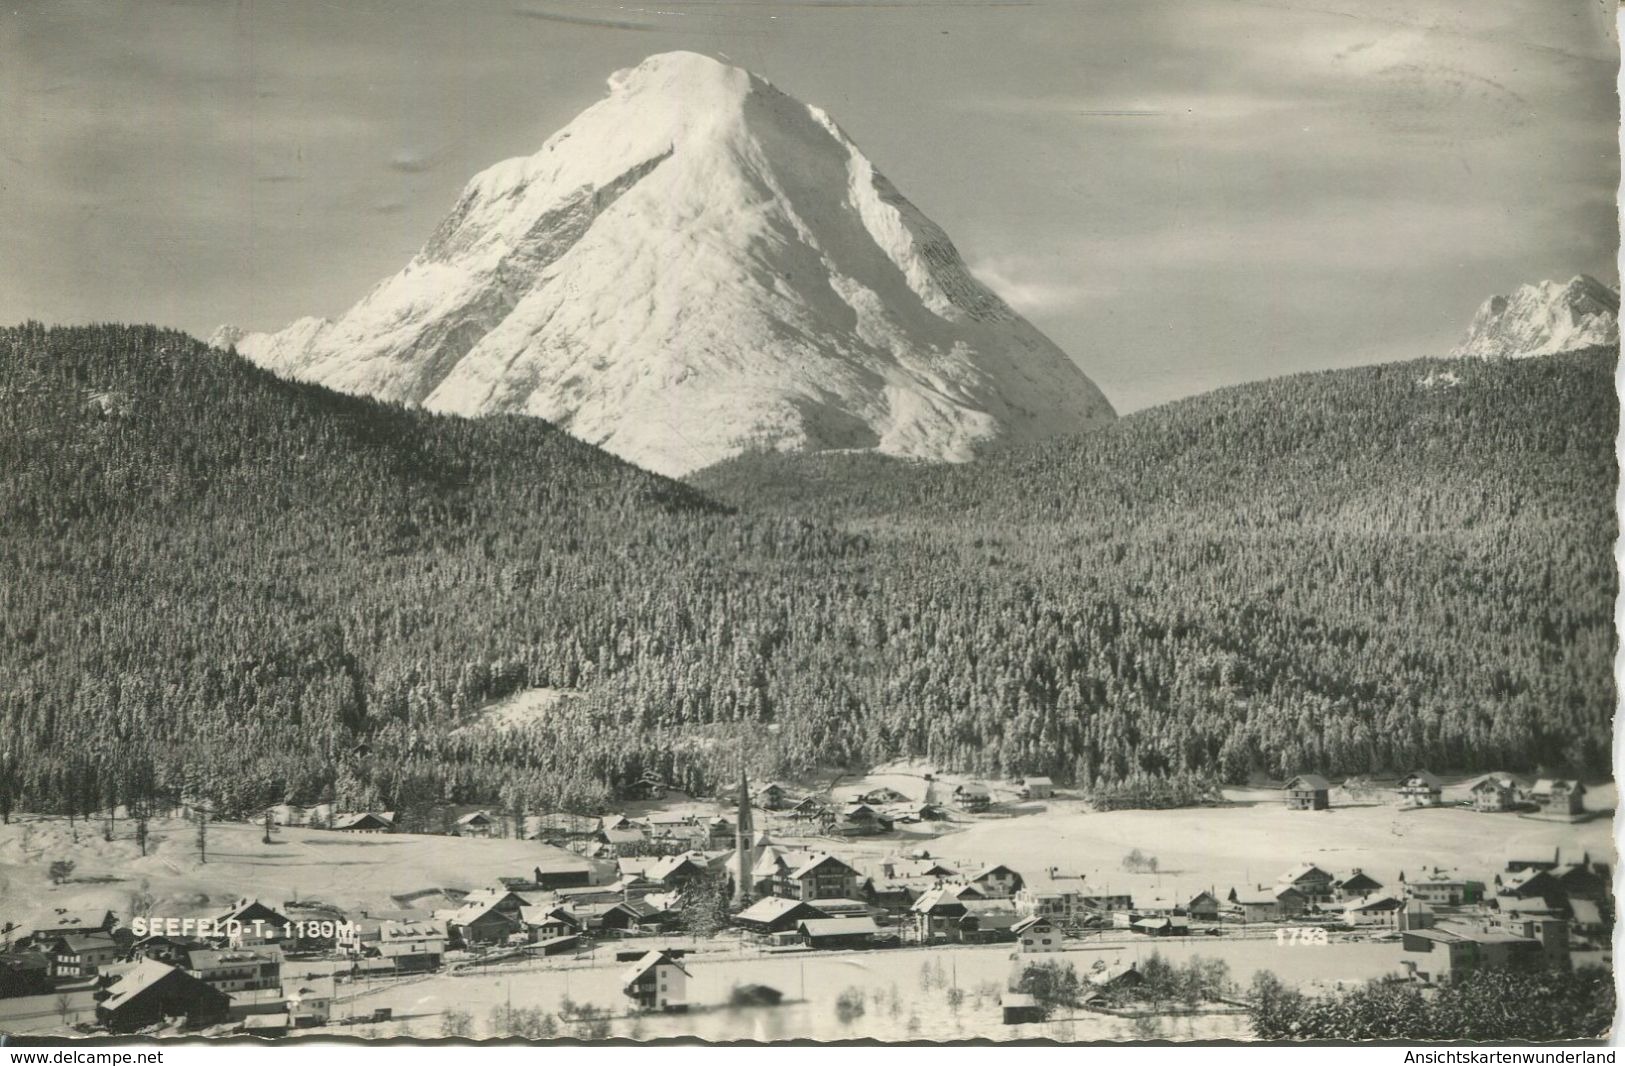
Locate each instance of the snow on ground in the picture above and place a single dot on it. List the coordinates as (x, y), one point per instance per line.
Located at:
(520, 709)
(354, 872)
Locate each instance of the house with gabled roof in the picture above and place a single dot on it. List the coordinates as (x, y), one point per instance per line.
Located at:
(1494, 793)
(1419, 788)
(972, 799)
(997, 881)
(364, 822)
(80, 955)
(772, 796)
(1558, 796)
(834, 934)
(775, 914)
(1356, 885)
(1309, 879)
(152, 991)
(656, 982)
(1260, 904)
(475, 824)
(1308, 792)
(1038, 933)
(822, 876)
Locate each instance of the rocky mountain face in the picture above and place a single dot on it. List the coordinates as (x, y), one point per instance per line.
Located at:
(696, 266)
(1544, 319)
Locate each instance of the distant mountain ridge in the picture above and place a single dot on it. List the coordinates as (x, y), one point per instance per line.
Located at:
(696, 266)
(1544, 319)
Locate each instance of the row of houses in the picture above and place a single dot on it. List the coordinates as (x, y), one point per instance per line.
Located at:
(1491, 793)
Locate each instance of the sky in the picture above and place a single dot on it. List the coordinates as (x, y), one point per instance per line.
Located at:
(1183, 195)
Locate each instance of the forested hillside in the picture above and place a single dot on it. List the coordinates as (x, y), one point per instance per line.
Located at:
(227, 586)
(1343, 570)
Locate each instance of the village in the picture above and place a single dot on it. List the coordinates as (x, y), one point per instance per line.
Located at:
(679, 916)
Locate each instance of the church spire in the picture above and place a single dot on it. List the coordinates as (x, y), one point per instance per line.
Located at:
(744, 840)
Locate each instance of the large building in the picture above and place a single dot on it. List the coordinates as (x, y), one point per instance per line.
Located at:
(152, 991)
(1448, 953)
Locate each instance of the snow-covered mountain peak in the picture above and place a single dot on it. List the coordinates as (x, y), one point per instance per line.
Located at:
(1543, 319)
(698, 264)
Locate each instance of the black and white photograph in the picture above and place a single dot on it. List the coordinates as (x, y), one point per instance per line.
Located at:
(783, 522)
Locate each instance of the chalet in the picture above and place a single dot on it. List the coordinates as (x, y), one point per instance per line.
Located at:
(1115, 975)
(1584, 879)
(1308, 792)
(1419, 788)
(774, 797)
(1309, 879)
(1557, 796)
(900, 869)
(1204, 907)
(1387, 911)
(913, 813)
(152, 991)
(820, 877)
(1494, 793)
(1053, 894)
(894, 897)
(859, 819)
(665, 824)
(776, 914)
(1530, 884)
(972, 799)
(880, 797)
(548, 922)
(997, 881)
(628, 841)
(1037, 933)
(937, 912)
(837, 933)
(1444, 888)
(1268, 904)
(253, 924)
(60, 922)
(986, 921)
(564, 872)
(414, 947)
(806, 807)
(719, 832)
(236, 969)
(678, 871)
(1448, 953)
(1357, 885)
(482, 920)
(81, 955)
(1166, 926)
(475, 824)
(616, 821)
(1020, 1008)
(310, 1003)
(656, 982)
(364, 822)
(1036, 788)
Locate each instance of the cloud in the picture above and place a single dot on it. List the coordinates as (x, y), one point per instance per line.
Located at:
(414, 161)
(581, 20)
(1033, 286)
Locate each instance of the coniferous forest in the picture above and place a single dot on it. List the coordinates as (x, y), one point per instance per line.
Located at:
(227, 587)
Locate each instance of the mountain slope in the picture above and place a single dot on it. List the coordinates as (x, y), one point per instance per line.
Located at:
(238, 588)
(1544, 319)
(697, 265)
